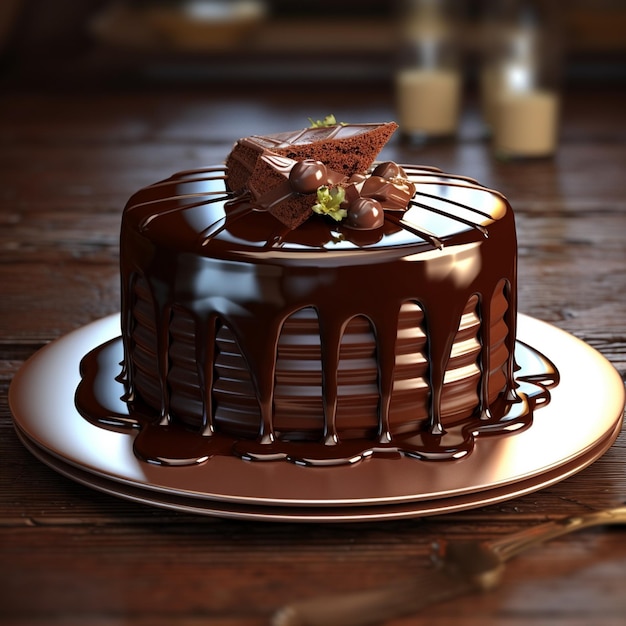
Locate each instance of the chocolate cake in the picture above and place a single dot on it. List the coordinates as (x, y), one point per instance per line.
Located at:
(385, 325)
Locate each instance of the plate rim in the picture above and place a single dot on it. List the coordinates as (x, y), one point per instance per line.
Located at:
(251, 512)
(30, 428)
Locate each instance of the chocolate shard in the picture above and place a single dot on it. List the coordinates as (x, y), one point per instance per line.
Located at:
(345, 148)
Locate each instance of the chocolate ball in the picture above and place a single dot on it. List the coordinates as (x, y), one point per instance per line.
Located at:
(306, 176)
(357, 178)
(365, 214)
(389, 169)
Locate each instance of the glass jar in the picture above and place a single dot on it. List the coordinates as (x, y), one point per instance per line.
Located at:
(520, 80)
(428, 78)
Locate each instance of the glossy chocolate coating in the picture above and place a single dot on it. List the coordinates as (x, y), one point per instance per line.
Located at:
(366, 213)
(196, 264)
(389, 169)
(306, 176)
(394, 194)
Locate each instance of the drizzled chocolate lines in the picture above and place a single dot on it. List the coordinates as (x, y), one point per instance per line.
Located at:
(457, 218)
(187, 174)
(454, 202)
(317, 133)
(227, 219)
(449, 181)
(422, 233)
(150, 218)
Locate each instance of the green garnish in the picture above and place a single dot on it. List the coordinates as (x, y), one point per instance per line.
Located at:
(329, 120)
(329, 201)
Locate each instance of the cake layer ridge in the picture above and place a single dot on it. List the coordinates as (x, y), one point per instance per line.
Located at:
(298, 407)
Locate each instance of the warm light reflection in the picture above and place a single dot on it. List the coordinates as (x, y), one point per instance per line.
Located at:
(460, 265)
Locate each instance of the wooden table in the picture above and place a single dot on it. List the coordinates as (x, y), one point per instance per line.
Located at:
(71, 555)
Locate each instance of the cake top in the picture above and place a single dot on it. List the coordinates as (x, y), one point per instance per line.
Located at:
(196, 210)
(304, 197)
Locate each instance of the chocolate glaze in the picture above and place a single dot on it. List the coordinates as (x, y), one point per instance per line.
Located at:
(207, 266)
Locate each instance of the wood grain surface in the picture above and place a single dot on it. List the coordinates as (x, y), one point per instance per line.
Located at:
(70, 555)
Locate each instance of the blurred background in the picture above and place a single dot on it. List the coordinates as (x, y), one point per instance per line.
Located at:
(69, 44)
(512, 60)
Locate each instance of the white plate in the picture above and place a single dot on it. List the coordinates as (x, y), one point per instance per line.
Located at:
(579, 424)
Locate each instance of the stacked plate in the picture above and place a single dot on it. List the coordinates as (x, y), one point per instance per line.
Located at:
(579, 424)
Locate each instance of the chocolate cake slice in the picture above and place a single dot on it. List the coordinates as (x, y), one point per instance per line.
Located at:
(288, 188)
(344, 148)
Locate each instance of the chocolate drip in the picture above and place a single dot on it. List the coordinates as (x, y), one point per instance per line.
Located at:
(205, 359)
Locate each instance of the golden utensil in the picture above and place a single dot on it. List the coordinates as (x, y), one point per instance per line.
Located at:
(460, 567)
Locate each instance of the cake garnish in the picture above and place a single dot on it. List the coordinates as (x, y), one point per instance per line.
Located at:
(359, 202)
(329, 202)
(308, 176)
(329, 120)
(387, 188)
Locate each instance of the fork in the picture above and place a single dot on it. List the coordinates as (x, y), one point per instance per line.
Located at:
(460, 567)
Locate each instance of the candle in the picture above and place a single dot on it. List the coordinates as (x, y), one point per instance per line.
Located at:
(525, 123)
(428, 101)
